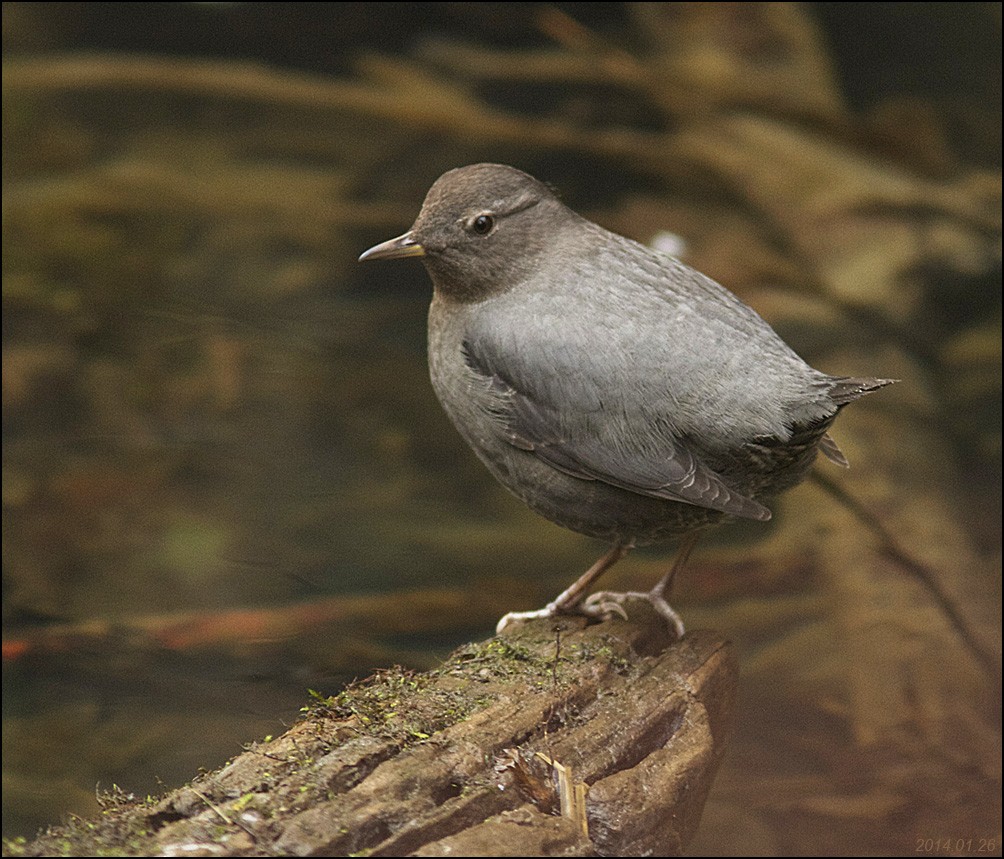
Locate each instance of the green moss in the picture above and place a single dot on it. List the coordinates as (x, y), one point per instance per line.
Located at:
(14, 846)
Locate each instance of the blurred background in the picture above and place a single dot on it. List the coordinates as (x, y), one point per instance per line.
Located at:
(226, 479)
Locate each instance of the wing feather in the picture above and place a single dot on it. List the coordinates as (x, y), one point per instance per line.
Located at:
(672, 471)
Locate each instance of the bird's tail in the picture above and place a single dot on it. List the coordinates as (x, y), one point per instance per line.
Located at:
(847, 389)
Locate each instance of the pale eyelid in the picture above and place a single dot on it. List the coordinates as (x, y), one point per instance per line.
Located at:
(520, 206)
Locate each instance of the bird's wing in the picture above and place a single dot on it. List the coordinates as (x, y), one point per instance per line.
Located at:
(596, 443)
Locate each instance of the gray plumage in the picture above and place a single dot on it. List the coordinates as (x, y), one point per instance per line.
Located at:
(613, 389)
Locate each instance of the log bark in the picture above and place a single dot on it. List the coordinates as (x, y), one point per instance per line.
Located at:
(465, 759)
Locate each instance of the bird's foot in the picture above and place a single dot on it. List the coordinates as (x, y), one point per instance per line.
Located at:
(602, 605)
(569, 601)
(560, 609)
(605, 604)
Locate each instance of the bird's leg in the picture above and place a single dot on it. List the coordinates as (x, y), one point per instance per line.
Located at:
(569, 601)
(605, 603)
(657, 596)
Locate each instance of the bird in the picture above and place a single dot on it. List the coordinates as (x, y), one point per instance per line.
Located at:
(612, 388)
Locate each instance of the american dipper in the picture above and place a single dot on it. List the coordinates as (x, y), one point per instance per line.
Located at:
(613, 389)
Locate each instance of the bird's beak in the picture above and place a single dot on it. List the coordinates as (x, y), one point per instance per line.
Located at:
(402, 246)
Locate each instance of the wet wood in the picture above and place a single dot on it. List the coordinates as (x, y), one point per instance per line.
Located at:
(457, 761)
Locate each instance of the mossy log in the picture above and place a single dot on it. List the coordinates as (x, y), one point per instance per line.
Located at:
(554, 739)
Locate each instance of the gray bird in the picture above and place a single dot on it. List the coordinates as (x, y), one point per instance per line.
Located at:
(613, 389)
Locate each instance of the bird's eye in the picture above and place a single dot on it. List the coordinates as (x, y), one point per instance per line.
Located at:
(483, 224)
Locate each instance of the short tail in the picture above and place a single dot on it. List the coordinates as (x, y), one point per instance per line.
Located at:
(847, 389)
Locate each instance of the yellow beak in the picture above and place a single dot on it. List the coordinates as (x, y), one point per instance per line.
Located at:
(402, 246)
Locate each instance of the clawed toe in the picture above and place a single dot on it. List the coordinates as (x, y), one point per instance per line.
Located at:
(673, 620)
(604, 610)
(605, 604)
(517, 617)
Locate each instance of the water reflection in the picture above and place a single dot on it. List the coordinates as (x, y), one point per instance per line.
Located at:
(226, 479)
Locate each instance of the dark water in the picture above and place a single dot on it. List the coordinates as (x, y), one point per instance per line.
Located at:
(215, 422)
